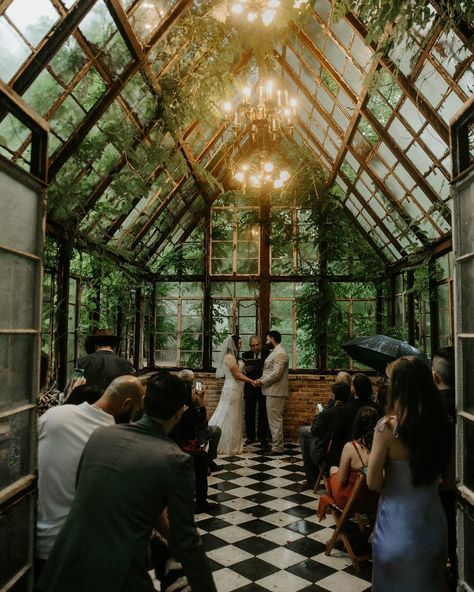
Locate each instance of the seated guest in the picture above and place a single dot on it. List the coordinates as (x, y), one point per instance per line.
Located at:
(204, 433)
(344, 426)
(354, 458)
(184, 434)
(84, 393)
(63, 433)
(314, 440)
(128, 475)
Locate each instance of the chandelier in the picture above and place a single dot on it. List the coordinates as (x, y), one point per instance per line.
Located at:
(264, 175)
(267, 112)
(263, 10)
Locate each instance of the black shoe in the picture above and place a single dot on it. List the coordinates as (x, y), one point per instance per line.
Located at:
(249, 441)
(205, 507)
(213, 467)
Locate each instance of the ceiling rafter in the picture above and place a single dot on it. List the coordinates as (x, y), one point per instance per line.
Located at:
(464, 29)
(403, 81)
(71, 145)
(213, 166)
(133, 43)
(48, 48)
(359, 198)
(378, 128)
(362, 162)
(4, 4)
(347, 147)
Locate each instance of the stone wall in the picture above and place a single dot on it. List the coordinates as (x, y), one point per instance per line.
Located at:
(305, 392)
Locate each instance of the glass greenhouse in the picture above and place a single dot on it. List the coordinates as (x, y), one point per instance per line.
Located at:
(123, 204)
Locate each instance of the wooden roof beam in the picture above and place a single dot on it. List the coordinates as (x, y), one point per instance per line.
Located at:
(316, 105)
(70, 146)
(361, 200)
(378, 128)
(405, 84)
(48, 48)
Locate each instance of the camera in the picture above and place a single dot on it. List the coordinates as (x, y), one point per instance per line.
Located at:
(198, 386)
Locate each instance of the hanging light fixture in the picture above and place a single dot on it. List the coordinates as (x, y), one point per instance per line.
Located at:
(268, 110)
(260, 10)
(262, 175)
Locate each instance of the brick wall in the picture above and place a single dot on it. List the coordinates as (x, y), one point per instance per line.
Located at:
(305, 392)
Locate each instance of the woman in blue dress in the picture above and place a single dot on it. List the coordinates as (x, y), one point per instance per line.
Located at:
(410, 450)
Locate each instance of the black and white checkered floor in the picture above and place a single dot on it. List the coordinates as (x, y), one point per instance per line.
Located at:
(265, 534)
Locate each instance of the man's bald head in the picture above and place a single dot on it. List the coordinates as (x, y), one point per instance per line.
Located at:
(123, 398)
(344, 377)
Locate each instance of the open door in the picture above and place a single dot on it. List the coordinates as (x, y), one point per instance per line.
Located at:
(22, 212)
(462, 144)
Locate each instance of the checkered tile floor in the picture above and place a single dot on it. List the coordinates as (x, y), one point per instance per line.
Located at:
(265, 535)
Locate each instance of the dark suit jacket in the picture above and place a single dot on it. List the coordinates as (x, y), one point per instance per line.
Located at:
(254, 369)
(322, 430)
(344, 425)
(128, 475)
(101, 367)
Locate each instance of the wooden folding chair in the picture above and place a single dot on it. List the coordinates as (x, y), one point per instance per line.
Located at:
(346, 529)
(322, 468)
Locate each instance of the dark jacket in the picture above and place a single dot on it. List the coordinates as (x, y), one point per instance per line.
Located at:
(322, 430)
(128, 475)
(254, 370)
(102, 367)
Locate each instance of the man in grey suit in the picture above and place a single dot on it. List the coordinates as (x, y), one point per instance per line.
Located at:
(274, 382)
(128, 475)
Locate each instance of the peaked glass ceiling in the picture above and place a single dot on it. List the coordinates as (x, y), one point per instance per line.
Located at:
(95, 70)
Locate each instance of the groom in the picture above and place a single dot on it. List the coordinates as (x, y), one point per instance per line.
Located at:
(274, 383)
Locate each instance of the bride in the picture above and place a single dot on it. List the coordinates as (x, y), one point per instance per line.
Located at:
(229, 412)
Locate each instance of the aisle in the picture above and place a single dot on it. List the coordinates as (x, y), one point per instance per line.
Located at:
(265, 534)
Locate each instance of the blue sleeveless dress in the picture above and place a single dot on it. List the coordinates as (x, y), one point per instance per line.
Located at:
(410, 536)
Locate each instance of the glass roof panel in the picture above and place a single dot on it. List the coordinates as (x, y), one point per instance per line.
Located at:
(14, 50)
(32, 19)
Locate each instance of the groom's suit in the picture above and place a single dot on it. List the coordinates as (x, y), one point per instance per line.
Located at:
(275, 388)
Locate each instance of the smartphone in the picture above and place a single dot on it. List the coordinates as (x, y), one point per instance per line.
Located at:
(78, 373)
(320, 407)
(198, 386)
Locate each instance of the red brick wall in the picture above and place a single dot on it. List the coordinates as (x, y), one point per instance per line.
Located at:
(305, 392)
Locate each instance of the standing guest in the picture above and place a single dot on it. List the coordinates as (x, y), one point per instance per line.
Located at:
(443, 376)
(229, 410)
(274, 383)
(254, 399)
(63, 433)
(411, 449)
(128, 475)
(102, 366)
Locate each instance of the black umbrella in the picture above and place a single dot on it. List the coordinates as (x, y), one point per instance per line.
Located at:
(377, 351)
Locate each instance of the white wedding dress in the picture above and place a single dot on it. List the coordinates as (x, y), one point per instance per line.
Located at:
(229, 412)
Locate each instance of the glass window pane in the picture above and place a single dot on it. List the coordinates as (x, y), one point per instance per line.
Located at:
(467, 353)
(16, 433)
(16, 535)
(17, 286)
